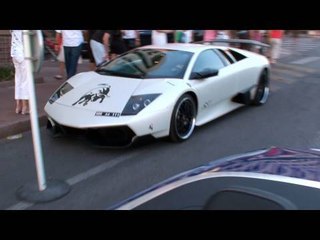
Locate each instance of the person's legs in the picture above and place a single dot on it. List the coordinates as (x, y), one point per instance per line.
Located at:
(62, 68)
(17, 78)
(72, 55)
(18, 106)
(21, 87)
(61, 60)
(275, 49)
(145, 39)
(67, 59)
(130, 43)
(25, 107)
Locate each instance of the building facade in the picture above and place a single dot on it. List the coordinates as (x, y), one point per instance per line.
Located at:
(5, 43)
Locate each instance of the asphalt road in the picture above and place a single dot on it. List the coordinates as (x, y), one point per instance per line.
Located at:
(100, 177)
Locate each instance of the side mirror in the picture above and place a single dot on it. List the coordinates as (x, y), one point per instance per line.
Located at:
(206, 73)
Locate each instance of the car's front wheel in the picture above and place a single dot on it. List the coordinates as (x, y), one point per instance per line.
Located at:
(262, 91)
(183, 119)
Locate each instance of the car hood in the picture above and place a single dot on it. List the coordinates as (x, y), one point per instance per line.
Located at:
(92, 91)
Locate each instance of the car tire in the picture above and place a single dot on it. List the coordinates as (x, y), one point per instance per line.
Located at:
(262, 91)
(183, 119)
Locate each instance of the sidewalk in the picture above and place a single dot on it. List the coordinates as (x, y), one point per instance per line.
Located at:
(45, 84)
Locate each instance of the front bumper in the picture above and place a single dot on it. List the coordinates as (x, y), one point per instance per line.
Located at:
(107, 130)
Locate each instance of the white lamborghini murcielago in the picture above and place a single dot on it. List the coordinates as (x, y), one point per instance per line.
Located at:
(162, 91)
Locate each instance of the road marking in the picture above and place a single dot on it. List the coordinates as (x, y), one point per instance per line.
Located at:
(98, 169)
(305, 60)
(16, 136)
(290, 47)
(281, 79)
(316, 142)
(291, 72)
(82, 177)
(274, 88)
(20, 206)
(295, 68)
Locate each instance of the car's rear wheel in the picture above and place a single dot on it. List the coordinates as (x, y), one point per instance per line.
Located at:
(183, 119)
(262, 91)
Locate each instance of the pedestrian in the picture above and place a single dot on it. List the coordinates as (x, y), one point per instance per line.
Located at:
(131, 39)
(145, 37)
(72, 45)
(21, 75)
(170, 36)
(244, 34)
(92, 66)
(117, 44)
(183, 36)
(60, 50)
(100, 45)
(160, 37)
(256, 36)
(276, 40)
(209, 35)
(222, 35)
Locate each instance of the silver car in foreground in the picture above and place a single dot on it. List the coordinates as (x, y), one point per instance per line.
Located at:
(268, 179)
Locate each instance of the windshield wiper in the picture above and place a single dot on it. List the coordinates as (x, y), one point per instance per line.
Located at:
(119, 74)
(105, 71)
(129, 75)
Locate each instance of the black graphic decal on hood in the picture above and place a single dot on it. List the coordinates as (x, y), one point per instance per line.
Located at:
(93, 96)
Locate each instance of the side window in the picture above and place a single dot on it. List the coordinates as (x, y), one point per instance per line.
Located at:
(236, 55)
(207, 60)
(227, 55)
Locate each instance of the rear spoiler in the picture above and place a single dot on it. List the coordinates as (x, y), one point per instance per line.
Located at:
(236, 42)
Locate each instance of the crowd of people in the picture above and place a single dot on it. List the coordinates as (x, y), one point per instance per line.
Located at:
(105, 45)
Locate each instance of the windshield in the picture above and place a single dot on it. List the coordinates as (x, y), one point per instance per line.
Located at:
(148, 63)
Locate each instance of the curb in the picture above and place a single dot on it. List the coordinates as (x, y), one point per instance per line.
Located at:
(21, 126)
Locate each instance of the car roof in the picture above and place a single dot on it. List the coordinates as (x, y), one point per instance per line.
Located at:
(274, 162)
(188, 47)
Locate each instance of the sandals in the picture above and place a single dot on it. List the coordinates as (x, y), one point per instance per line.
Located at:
(25, 112)
(18, 110)
(58, 77)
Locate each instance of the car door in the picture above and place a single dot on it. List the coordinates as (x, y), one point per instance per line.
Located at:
(213, 91)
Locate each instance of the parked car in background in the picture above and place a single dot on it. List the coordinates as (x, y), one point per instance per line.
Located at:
(268, 179)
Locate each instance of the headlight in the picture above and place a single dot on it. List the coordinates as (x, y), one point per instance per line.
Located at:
(66, 87)
(137, 103)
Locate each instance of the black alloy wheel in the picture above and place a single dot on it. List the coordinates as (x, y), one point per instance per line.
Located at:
(183, 119)
(262, 91)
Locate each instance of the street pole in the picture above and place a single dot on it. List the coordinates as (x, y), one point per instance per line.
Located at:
(37, 147)
(43, 191)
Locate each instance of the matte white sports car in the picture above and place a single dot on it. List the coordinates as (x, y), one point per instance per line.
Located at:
(162, 91)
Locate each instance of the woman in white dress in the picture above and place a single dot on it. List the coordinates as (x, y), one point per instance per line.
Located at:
(21, 77)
